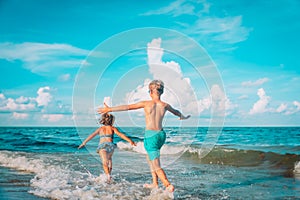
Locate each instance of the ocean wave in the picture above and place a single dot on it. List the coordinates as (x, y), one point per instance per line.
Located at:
(223, 155)
(34, 145)
(246, 158)
(54, 180)
(139, 148)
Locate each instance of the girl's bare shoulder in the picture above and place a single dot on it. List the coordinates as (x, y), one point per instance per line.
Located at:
(100, 129)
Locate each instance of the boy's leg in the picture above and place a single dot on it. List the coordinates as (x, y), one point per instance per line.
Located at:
(153, 145)
(161, 174)
(154, 176)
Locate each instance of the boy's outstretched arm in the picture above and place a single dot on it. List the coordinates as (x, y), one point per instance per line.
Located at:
(124, 137)
(177, 112)
(107, 109)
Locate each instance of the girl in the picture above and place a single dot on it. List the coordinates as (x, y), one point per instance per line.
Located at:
(106, 146)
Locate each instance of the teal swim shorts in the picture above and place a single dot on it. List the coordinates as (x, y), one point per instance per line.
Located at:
(153, 142)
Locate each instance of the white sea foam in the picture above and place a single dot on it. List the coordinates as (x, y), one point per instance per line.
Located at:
(139, 148)
(200, 152)
(54, 180)
(20, 162)
(160, 194)
(182, 140)
(51, 181)
(297, 170)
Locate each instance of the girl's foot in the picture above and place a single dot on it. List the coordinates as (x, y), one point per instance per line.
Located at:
(150, 186)
(108, 179)
(170, 188)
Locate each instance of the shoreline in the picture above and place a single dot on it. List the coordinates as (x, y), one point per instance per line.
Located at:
(15, 185)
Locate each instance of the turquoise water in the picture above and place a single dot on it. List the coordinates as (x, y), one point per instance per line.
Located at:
(243, 163)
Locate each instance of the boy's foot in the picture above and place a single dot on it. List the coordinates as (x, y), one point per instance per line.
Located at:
(150, 186)
(170, 188)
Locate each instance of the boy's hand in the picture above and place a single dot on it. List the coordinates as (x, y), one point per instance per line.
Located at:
(183, 117)
(103, 110)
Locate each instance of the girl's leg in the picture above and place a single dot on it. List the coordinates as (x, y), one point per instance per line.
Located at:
(109, 158)
(104, 158)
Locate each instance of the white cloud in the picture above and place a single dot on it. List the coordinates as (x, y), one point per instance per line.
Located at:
(220, 102)
(140, 93)
(11, 104)
(281, 108)
(22, 99)
(222, 30)
(294, 109)
(176, 8)
(44, 96)
(107, 100)
(64, 77)
(41, 57)
(261, 104)
(44, 102)
(255, 83)
(20, 115)
(20, 104)
(30, 52)
(297, 104)
(2, 96)
(243, 97)
(228, 30)
(178, 90)
(52, 117)
(288, 109)
(204, 104)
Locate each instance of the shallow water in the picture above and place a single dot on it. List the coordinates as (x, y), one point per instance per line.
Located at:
(245, 164)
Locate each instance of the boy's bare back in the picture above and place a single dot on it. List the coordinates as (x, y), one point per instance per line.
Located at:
(154, 114)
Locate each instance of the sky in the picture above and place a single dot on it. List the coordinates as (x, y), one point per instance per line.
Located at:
(233, 62)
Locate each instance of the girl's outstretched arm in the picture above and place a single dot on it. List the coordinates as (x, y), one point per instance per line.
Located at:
(134, 106)
(177, 112)
(124, 137)
(89, 138)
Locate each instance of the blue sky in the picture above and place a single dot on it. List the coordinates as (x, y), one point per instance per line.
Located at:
(49, 51)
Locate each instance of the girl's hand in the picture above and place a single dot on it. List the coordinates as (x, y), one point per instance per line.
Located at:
(82, 145)
(132, 143)
(103, 110)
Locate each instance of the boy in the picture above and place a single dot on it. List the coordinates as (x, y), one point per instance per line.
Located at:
(155, 136)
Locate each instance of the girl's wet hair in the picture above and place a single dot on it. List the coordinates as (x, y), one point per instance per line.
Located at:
(157, 85)
(107, 119)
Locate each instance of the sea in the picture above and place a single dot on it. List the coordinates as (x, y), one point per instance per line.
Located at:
(202, 163)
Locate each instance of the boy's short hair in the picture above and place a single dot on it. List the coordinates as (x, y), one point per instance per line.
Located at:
(157, 85)
(107, 119)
